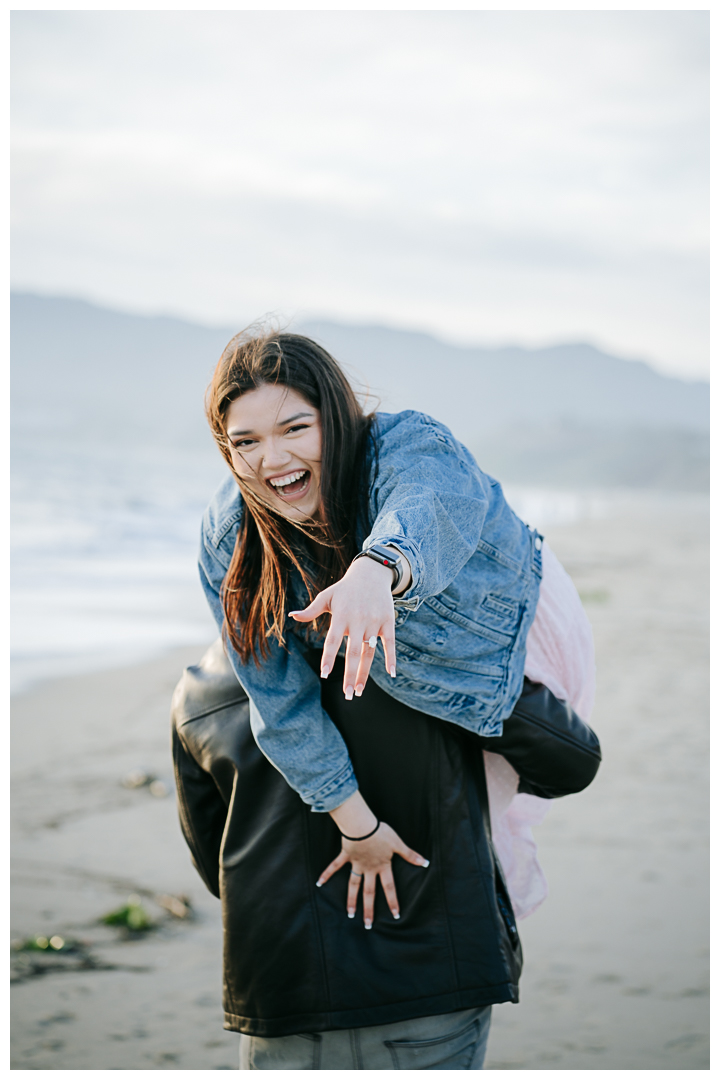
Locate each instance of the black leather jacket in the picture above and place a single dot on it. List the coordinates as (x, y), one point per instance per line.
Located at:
(293, 961)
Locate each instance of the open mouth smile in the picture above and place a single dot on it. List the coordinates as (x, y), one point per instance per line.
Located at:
(292, 486)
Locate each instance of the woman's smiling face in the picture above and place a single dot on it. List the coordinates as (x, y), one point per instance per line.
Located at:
(276, 446)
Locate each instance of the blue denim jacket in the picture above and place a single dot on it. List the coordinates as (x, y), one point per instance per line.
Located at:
(461, 627)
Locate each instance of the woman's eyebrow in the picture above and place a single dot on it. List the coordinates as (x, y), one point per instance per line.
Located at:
(290, 419)
(281, 423)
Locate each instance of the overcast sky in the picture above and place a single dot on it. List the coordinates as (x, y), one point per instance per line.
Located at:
(491, 177)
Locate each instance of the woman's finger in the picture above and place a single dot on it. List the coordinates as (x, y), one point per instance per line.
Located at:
(387, 634)
(353, 889)
(369, 900)
(388, 883)
(334, 866)
(366, 659)
(333, 641)
(318, 607)
(353, 654)
(411, 856)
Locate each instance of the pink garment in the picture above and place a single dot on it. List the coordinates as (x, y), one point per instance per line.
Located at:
(560, 654)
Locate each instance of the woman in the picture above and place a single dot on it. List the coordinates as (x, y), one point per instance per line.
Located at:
(337, 526)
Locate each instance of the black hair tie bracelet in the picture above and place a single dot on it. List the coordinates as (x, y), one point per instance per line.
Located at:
(354, 839)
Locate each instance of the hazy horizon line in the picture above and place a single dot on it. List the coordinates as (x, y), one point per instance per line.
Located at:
(301, 318)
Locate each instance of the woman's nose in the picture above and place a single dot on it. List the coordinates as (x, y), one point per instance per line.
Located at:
(274, 457)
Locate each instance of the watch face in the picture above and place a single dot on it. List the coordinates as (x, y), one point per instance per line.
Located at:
(389, 558)
(387, 554)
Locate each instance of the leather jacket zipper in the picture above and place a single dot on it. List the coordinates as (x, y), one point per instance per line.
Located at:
(509, 919)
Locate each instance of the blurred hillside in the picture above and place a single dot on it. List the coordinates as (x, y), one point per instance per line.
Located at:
(569, 415)
(566, 416)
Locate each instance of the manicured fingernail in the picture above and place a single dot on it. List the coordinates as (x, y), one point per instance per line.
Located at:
(349, 693)
(358, 691)
(396, 914)
(351, 914)
(324, 672)
(392, 672)
(292, 614)
(368, 925)
(425, 862)
(318, 883)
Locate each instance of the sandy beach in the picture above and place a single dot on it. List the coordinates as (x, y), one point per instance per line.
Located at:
(616, 960)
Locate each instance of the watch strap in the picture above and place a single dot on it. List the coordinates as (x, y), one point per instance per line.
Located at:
(387, 557)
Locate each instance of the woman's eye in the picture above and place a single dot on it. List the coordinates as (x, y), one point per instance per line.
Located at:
(297, 427)
(243, 444)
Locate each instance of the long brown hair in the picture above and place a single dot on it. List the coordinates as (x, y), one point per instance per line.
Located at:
(269, 545)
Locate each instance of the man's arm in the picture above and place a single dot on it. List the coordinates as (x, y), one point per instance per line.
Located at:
(552, 750)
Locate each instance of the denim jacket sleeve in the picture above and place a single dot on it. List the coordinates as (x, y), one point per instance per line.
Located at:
(429, 500)
(287, 719)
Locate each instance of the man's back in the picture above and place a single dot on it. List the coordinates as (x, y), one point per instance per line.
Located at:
(293, 961)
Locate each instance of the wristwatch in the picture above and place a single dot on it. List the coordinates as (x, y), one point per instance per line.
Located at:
(388, 557)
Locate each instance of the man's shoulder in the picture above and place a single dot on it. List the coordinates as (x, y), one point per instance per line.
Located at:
(223, 512)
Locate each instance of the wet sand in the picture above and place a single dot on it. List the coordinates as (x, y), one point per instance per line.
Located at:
(615, 960)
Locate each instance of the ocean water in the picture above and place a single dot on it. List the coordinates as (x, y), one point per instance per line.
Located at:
(103, 548)
(104, 543)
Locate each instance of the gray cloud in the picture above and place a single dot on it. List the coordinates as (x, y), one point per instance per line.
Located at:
(489, 176)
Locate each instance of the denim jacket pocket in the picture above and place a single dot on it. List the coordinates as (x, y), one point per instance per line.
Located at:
(469, 701)
(503, 635)
(506, 609)
(461, 663)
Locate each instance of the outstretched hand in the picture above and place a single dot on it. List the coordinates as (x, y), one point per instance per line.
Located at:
(361, 609)
(369, 859)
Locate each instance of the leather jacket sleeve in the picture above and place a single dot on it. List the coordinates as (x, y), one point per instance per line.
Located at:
(553, 751)
(202, 813)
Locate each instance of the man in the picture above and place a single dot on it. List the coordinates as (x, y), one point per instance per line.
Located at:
(304, 985)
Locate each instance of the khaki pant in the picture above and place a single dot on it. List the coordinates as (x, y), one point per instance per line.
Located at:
(454, 1040)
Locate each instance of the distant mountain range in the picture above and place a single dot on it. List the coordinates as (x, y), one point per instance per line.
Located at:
(482, 390)
(564, 415)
